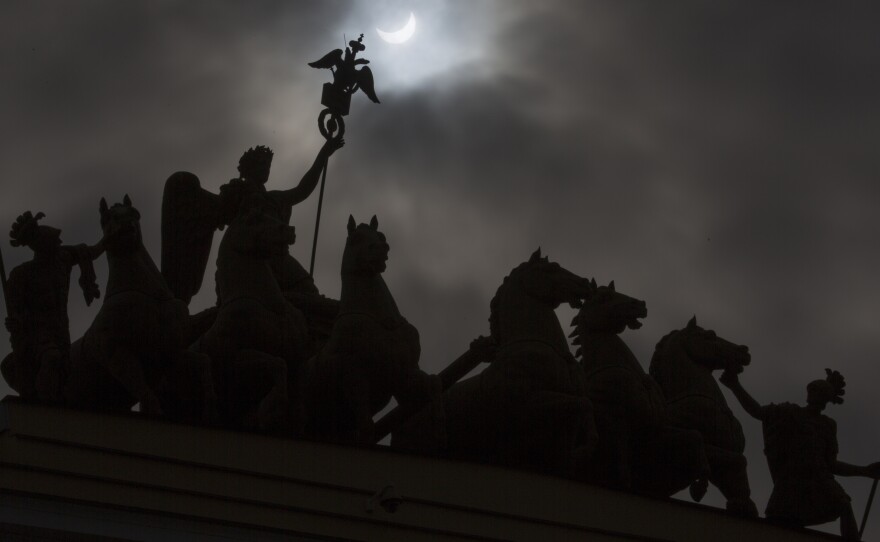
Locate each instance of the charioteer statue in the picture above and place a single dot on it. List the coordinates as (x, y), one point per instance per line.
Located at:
(36, 300)
(191, 215)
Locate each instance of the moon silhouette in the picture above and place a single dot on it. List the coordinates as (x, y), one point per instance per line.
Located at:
(401, 35)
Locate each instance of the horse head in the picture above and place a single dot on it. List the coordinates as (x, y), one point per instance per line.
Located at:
(705, 347)
(121, 226)
(256, 233)
(366, 250)
(550, 283)
(609, 311)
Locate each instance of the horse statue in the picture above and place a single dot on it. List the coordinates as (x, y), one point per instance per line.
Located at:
(682, 365)
(637, 449)
(529, 407)
(134, 351)
(372, 353)
(258, 338)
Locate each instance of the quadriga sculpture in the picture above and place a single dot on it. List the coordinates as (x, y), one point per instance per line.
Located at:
(528, 408)
(637, 448)
(134, 350)
(372, 353)
(258, 339)
(682, 364)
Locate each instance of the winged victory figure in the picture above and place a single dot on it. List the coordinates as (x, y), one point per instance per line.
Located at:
(191, 215)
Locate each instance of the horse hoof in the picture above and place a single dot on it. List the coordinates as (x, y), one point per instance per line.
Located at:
(745, 508)
(698, 489)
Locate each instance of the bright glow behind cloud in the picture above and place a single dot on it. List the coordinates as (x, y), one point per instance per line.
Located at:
(449, 36)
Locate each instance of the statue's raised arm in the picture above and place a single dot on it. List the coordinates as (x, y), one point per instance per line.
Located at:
(191, 214)
(289, 198)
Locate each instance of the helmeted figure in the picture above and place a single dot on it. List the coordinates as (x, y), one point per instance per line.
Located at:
(191, 215)
(801, 448)
(37, 301)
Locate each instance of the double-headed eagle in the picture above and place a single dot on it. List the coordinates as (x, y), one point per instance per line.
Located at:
(346, 77)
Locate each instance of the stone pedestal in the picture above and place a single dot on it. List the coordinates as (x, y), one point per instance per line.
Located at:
(71, 475)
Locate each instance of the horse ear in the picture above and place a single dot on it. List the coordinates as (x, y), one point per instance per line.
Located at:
(536, 255)
(103, 207)
(374, 223)
(351, 225)
(611, 286)
(126, 201)
(692, 323)
(593, 283)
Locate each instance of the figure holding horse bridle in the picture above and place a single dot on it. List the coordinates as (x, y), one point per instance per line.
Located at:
(36, 302)
(801, 448)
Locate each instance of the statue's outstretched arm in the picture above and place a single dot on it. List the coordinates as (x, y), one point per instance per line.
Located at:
(83, 255)
(841, 468)
(310, 180)
(94, 251)
(731, 379)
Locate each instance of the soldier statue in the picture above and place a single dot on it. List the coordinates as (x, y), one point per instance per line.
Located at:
(37, 293)
(801, 448)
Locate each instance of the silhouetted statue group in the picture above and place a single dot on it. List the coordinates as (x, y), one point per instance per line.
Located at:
(276, 356)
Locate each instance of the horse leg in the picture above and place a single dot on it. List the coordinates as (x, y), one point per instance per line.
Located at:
(730, 477)
(125, 367)
(363, 413)
(50, 374)
(557, 433)
(187, 389)
(670, 461)
(257, 377)
(612, 464)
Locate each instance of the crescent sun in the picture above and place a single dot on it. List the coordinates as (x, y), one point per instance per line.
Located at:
(401, 35)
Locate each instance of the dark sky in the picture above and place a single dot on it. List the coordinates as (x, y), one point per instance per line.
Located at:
(717, 159)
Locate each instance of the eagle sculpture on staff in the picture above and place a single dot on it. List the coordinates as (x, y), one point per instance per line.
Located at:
(347, 79)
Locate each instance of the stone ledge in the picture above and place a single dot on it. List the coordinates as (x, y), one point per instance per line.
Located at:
(156, 471)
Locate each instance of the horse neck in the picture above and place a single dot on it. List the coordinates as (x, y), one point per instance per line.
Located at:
(679, 376)
(245, 276)
(600, 349)
(135, 272)
(523, 318)
(367, 294)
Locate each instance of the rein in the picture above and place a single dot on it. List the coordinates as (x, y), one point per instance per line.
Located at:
(567, 355)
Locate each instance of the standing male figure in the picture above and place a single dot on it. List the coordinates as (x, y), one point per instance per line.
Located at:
(37, 293)
(801, 448)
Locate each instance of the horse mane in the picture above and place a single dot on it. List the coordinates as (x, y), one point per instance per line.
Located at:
(663, 342)
(493, 304)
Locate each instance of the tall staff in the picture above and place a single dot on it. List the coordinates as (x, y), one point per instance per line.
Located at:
(336, 98)
(3, 283)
